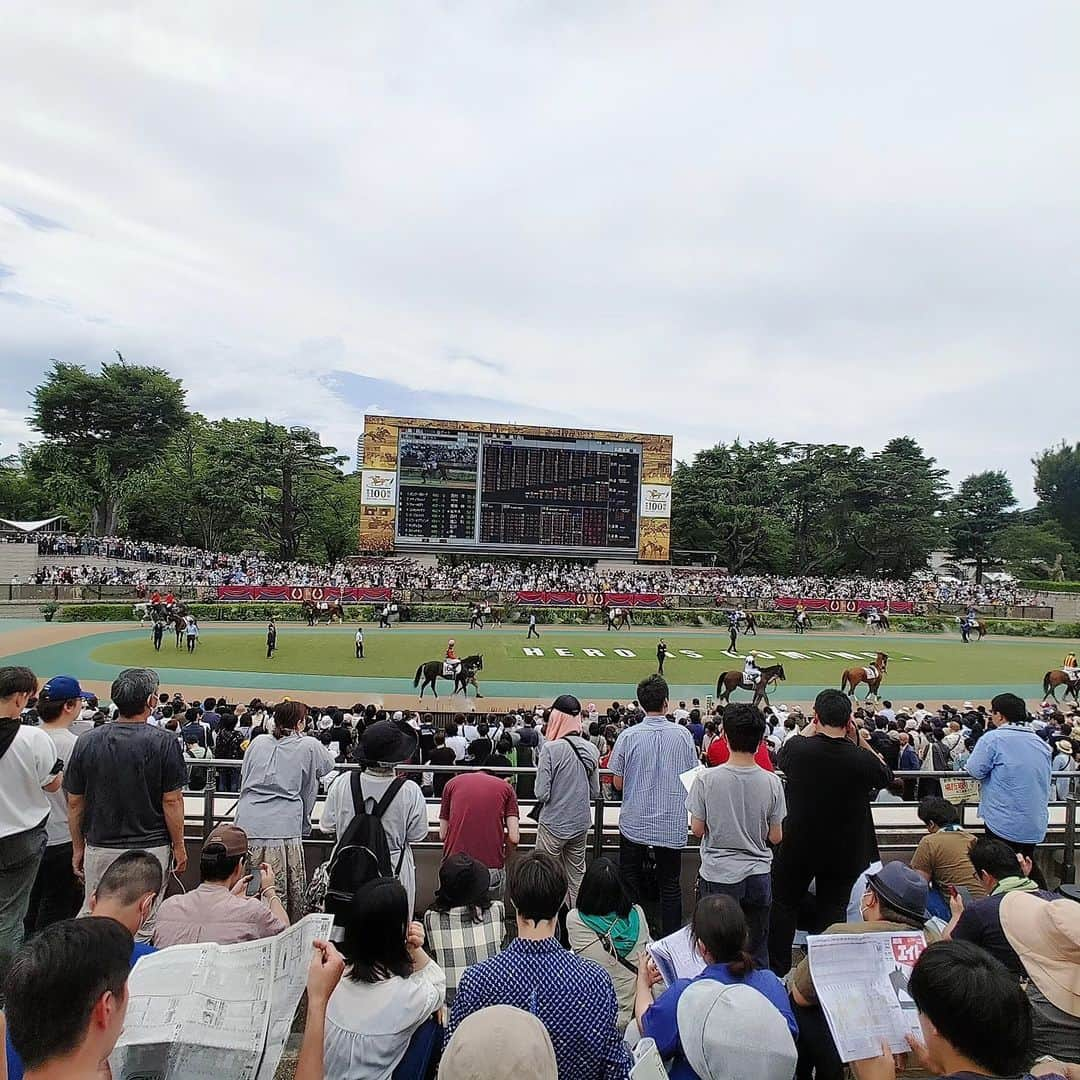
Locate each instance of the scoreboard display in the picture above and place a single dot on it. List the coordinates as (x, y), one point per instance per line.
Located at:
(460, 486)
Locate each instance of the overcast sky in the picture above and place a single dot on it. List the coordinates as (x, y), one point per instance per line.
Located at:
(837, 221)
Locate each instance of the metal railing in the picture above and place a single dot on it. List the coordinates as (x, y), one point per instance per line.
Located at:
(211, 819)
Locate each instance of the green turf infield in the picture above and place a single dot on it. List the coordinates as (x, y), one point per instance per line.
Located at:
(566, 656)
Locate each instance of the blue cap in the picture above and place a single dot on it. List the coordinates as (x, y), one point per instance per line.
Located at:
(63, 688)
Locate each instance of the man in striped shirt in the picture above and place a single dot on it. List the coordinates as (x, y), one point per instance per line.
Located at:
(646, 762)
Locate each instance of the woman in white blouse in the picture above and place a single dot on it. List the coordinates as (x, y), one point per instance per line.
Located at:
(390, 987)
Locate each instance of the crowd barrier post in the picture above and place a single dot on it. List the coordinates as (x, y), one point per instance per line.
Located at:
(208, 811)
(1068, 860)
(598, 824)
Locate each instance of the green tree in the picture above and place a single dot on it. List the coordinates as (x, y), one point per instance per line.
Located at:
(727, 501)
(283, 473)
(102, 433)
(977, 515)
(1057, 484)
(1030, 547)
(898, 523)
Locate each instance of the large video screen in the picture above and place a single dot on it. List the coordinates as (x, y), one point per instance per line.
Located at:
(466, 489)
(444, 485)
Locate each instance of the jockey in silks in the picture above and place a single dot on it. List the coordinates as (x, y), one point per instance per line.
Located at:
(451, 664)
(800, 614)
(1070, 667)
(751, 673)
(967, 623)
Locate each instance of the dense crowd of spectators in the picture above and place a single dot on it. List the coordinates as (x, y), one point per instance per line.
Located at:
(192, 566)
(539, 963)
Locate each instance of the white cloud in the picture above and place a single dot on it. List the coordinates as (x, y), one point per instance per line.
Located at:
(840, 223)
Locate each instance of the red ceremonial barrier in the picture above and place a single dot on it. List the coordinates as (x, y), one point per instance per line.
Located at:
(297, 594)
(591, 599)
(844, 607)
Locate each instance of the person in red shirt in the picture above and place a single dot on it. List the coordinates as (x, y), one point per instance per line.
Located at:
(450, 653)
(479, 815)
(719, 752)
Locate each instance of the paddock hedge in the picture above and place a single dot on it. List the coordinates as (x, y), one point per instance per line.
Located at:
(1047, 586)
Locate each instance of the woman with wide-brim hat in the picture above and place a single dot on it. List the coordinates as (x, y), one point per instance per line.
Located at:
(383, 745)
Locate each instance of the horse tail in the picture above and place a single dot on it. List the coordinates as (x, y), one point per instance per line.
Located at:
(416, 677)
(843, 681)
(1046, 684)
(720, 683)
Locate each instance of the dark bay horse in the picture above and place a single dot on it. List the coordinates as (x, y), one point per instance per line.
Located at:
(1053, 679)
(730, 681)
(466, 676)
(620, 621)
(872, 676)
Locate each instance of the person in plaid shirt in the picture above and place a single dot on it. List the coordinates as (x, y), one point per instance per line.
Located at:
(463, 925)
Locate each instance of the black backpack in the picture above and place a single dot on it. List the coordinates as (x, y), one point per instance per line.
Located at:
(363, 853)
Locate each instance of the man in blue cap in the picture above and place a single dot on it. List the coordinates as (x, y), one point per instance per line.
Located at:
(57, 892)
(894, 902)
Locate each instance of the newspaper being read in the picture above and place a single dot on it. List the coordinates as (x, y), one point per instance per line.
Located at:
(210, 1012)
(861, 981)
(676, 957)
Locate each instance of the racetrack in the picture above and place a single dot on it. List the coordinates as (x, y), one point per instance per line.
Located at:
(597, 665)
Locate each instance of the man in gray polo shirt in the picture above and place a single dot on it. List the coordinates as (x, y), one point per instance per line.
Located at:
(737, 810)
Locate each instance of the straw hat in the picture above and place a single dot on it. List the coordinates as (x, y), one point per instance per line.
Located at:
(1046, 937)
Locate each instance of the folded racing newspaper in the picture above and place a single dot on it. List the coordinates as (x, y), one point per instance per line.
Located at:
(861, 981)
(215, 1011)
(676, 957)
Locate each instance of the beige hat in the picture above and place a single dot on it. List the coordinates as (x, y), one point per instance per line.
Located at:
(1046, 937)
(499, 1043)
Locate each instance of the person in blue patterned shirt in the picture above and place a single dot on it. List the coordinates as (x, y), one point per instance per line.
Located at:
(646, 763)
(572, 997)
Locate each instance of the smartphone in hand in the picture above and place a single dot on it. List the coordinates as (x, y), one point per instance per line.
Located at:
(255, 885)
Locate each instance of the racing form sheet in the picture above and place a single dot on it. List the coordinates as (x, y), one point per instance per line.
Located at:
(861, 981)
(204, 1012)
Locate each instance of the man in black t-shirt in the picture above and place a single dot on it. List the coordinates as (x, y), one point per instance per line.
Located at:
(831, 774)
(271, 639)
(440, 755)
(125, 785)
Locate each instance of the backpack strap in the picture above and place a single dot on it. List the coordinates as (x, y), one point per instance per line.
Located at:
(384, 803)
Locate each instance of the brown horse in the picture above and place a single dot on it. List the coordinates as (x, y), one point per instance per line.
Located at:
(977, 627)
(1053, 679)
(872, 676)
(314, 614)
(730, 681)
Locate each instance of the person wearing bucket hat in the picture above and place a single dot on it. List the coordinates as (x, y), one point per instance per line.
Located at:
(895, 900)
(727, 1034)
(382, 746)
(464, 926)
(1066, 763)
(499, 1043)
(1046, 937)
(567, 784)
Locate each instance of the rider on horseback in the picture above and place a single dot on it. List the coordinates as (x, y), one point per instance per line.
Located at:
(451, 665)
(751, 673)
(1070, 666)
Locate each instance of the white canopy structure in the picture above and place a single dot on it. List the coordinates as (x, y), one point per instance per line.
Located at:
(31, 526)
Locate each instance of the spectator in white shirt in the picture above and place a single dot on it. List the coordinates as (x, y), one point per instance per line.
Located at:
(28, 772)
(390, 989)
(57, 893)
